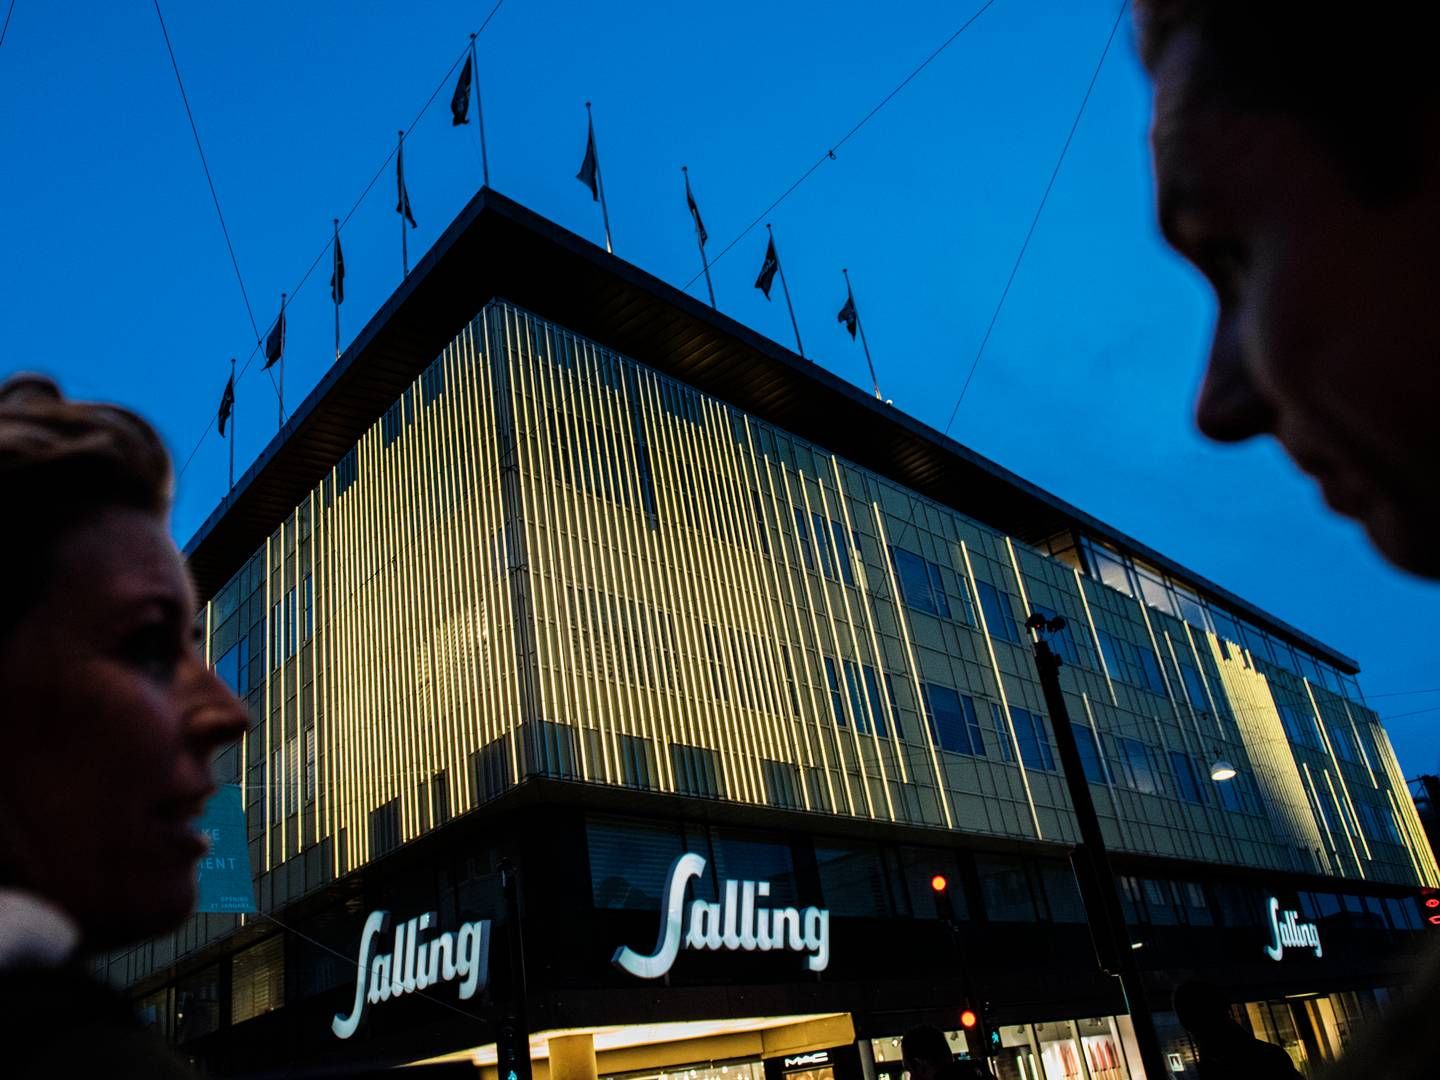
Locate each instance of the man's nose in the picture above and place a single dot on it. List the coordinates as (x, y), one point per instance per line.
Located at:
(216, 717)
(1229, 407)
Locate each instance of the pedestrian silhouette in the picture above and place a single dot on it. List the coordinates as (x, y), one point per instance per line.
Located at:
(1227, 1051)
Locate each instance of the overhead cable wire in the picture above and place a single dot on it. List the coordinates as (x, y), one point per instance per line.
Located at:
(6, 28)
(829, 154)
(379, 172)
(209, 179)
(1034, 221)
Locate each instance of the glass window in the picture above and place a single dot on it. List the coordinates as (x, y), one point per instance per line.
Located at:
(229, 669)
(1062, 894)
(853, 880)
(1089, 753)
(257, 980)
(1139, 770)
(197, 1004)
(843, 555)
(1160, 902)
(1150, 677)
(1342, 738)
(1299, 724)
(822, 541)
(1197, 907)
(745, 856)
(1034, 747)
(630, 862)
(802, 537)
(999, 619)
(1002, 732)
(920, 583)
(1185, 776)
(872, 698)
(1109, 567)
(1006, 887)
(1194, 686)
(837, 701)
(1113, 651)
(953, 724)
(309, 606)
(696, 772)
(857, 704)
(782, 784)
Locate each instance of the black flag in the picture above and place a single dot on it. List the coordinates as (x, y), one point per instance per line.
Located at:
(589, 173)
(695, 212)
(847, 314)
(768, 269)
(337, 275)
(227, 404)
(275, 343)
(402, 205)
(460, 100)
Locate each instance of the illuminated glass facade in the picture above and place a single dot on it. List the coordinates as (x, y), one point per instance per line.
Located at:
(548, 560)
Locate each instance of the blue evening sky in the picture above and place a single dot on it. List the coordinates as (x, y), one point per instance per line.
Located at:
(114, 275)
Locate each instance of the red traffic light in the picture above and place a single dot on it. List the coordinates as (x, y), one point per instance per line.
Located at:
(939, 884)
(968, 1019)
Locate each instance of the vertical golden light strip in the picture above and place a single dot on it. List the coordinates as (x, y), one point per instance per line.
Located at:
(427, 590)
(513, 362)
(569, 589)
(265, 770)
(804, 573)
(1409, 817)
(747, 586)
(648, 720)
(597, 510)
(1200, 669)
(1359, 742)
(839, 553)
(866, 606)
(1349, 836)
(670, 672)
(689, 616)
(811, 726)
(464, 541)
(942, 779)
(799, 751)
(726, 733)
(1353, 818)
(1004, 698)
(670, 525)
(507, 651)
(1095, 637)
(1333, 854)
(731, 626)
(453, 637)
(349, 682)
(475, 409)
(1421, 876)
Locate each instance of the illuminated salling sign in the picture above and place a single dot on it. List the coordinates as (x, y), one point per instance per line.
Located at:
(1288, 932)
(739, 922)
(414, 964)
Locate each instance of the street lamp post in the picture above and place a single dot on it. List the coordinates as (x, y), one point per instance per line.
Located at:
(1093, 873)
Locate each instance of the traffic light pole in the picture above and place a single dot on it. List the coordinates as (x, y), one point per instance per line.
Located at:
(1097, 882)
(977, 1032)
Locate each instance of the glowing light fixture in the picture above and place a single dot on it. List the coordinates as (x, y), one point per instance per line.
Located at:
(1222, 770)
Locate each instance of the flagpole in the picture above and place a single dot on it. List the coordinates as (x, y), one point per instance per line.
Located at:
(704, 262)
(599, 180)
(335, 288)
(280, 390)
(860, 325)
(780, 266)
(479, 113)
(404, 240)
(232, 425)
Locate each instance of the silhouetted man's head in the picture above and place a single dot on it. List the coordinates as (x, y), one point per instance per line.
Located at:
(1296, 154)
(926, 1052)
(1201, 1009)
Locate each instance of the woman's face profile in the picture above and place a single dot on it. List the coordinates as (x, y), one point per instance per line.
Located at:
(110, 722)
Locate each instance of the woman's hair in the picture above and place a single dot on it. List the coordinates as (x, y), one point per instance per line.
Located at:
(62, 462)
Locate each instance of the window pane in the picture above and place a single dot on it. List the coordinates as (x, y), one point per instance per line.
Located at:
(1005, 885)
(1089, 755)
(853, 881)
(1062, 893)
(998, 618)
(630, 862)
